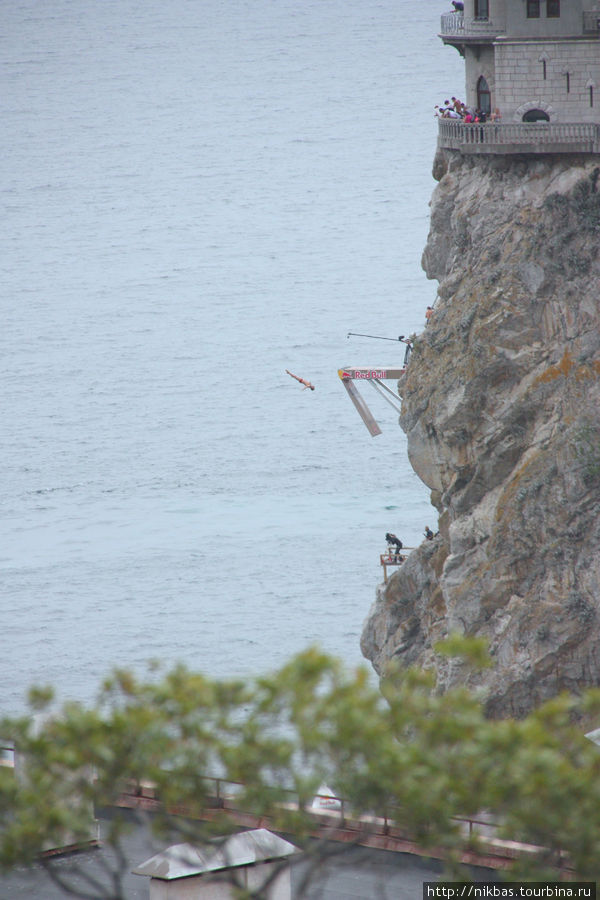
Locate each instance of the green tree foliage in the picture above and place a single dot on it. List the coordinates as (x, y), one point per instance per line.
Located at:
(399, 750)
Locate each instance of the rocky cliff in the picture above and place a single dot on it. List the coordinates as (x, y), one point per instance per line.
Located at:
(501, 408)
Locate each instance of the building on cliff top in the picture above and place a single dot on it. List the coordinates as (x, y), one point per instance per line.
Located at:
(538, 63)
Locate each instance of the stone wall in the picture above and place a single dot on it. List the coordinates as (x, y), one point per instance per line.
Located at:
(520, 84)
(568, 23)
(479, 63)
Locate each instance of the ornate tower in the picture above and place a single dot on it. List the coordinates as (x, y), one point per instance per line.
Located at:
(536, 61)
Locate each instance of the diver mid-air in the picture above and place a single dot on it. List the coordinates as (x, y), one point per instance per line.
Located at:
(306, 384)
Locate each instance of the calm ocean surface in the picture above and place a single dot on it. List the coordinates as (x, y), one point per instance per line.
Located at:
(198, 195)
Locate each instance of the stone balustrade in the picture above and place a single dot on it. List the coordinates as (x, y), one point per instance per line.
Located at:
(525, 137)
(455, 24)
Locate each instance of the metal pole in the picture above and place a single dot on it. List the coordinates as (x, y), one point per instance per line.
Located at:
(377, 337)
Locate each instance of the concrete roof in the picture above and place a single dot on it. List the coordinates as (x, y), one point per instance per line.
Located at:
(243, 849)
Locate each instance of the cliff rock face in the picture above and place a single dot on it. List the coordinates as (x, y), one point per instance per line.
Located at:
(501, 407)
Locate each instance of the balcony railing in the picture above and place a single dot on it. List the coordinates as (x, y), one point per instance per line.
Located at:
(591, 21)
(525, 137)
(455, 23)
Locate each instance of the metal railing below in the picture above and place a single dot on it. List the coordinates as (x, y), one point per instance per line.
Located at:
(334, 818)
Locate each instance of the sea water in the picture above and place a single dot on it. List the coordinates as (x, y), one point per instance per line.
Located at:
(198, 195)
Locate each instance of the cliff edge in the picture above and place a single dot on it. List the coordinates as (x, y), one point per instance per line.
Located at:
(500, 405)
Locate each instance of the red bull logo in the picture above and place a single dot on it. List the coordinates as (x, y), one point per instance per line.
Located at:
(373, 374)
(363, 373)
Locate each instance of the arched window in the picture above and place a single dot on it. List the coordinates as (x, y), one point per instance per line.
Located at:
(484, 100)
(536, 115)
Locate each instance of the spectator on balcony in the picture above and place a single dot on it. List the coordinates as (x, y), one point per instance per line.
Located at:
(448, 112)
(496, 116)
(458, 5)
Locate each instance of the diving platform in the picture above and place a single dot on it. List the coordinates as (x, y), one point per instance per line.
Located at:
(389, 558)
(375, 377)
